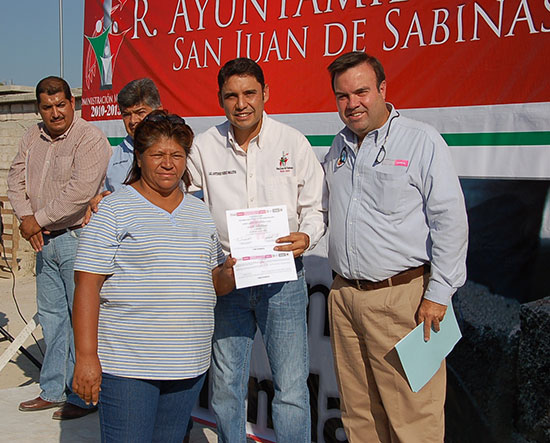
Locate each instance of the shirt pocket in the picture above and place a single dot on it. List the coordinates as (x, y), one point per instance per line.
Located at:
(386, 190)
(62, 168)
(281, 189)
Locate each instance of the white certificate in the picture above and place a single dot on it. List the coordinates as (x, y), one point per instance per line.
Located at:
(252, 234)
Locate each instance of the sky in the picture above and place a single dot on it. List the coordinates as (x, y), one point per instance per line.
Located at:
(29, 32)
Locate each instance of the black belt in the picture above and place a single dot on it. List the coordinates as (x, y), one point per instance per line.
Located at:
(57, 233)
(402, 278)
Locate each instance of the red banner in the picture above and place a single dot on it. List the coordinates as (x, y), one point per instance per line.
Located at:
(436, 53)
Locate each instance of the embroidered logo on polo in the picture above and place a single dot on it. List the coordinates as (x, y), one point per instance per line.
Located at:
(284, 163)
(342, 159)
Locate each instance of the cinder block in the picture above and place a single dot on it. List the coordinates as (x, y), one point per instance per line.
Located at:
(30, 108)
(17, 108)
(490, 333)
(534, 370)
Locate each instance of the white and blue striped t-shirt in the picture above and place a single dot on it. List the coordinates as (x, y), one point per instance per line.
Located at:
(157, 305)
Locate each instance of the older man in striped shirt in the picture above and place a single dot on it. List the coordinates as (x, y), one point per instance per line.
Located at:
(59, 167)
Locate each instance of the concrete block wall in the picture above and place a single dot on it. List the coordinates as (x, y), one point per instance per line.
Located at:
(18, 112)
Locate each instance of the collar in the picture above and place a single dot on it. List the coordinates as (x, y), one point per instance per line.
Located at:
(350, 138)
(259, 138)
(127, 144)
(48, 137)
(380, 133)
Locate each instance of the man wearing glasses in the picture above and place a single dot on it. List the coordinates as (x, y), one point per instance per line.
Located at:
(397, 244)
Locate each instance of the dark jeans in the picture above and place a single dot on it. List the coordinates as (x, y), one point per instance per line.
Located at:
(136, 410)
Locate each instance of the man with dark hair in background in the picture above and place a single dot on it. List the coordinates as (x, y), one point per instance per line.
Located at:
(238, 165)
(59, 167)
(135, 101)
(397, 242)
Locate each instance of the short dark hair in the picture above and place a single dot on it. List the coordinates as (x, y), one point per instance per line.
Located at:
(158, 124)
(139, 91)
(352, 59)
(240, 66)
(52, 85)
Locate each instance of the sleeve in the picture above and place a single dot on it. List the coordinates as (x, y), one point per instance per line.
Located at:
(98, 242)
(310, 190)
(108, 185)
(447, 222)
(90, 164)
(325, 198)
(195, 168)
(217, 256)
(17, 182)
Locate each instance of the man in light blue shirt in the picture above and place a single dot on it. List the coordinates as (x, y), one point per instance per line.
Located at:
(397, 242)
(135, 100)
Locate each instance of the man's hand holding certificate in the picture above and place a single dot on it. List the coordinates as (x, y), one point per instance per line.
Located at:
(252, 237)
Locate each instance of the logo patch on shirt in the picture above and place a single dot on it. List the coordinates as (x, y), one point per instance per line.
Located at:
(283, 161)
(342, 159)
(232, 172)
(401, 163)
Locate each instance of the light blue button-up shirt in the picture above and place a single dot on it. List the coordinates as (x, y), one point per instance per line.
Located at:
(388, 213)
(119, 165)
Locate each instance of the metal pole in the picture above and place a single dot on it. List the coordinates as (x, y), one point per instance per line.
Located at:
(61, 38)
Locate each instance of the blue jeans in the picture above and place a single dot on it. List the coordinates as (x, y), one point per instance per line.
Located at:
(279, 311)
(54, 297)
(134, 410)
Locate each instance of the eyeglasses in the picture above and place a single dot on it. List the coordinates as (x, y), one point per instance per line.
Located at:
(382, 151)
(171, 118)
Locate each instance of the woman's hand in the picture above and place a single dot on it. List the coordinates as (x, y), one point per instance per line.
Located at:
(223, 277)
(87, 379)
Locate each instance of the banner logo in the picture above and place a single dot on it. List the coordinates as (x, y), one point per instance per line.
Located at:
(105, 43)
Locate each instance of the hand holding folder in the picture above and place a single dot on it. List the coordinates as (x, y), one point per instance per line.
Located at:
(421, 359)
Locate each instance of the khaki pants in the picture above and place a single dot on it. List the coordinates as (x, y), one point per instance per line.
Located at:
(376, 401)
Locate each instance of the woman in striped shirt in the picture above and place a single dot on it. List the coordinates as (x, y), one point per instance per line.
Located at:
(148, 269)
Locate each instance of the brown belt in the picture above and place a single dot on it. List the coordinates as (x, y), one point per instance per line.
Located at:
(402, 278)
(59, 232)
